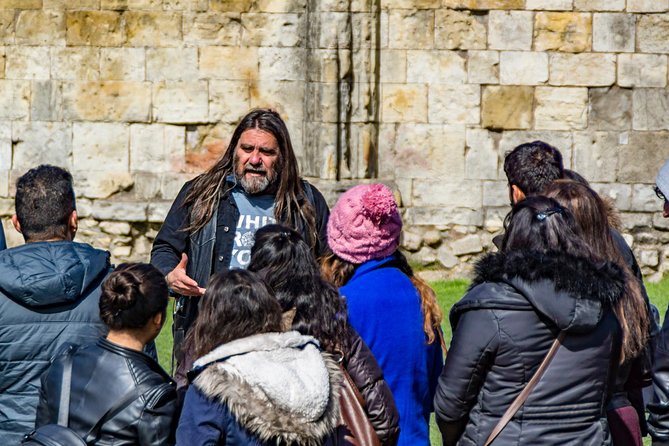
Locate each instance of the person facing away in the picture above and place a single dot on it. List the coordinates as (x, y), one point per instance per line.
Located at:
(211, 223)
(545, 280)
(395, 312)
(253, 384)
(49, 292)
(314, 307)
(133, 306)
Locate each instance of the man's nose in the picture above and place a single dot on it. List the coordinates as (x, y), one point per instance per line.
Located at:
(255, 158)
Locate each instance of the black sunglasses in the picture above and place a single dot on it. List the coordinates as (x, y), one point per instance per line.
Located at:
(659, 193)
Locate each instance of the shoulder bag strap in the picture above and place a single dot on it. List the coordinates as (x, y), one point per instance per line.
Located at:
(121, 404)
(66, 383)
(522, 396)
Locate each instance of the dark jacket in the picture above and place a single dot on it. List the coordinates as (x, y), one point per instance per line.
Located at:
(266, 389)
(3, 243)
(502, 330)
(365, 372)
(49, 293)
(102, 374)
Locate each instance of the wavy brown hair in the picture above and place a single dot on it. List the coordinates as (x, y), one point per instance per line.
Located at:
(291, 206)
(339, 271)
(591, 215)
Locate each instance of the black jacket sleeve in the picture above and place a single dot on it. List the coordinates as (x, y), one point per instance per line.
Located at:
(472, 351)
(658, 408)
(322, 213)
(368, 378)
(171, 241)
(158, 421)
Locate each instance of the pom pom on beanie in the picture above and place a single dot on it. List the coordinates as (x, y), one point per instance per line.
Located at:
(364, 224)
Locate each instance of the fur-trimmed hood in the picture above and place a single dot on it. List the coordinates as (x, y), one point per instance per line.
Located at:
(279, 386)
(570, 291)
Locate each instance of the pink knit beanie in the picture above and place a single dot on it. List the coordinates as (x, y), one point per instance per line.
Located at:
(364, 224)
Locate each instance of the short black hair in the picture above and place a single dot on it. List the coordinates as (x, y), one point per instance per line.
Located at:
(533, 166)
(44, 202)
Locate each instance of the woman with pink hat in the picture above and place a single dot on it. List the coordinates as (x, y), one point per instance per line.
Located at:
(395, 312)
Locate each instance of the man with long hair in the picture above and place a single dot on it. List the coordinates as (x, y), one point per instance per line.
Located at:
(211, 225)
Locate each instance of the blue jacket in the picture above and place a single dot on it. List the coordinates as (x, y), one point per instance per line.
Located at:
(49, 293)
(385, 308)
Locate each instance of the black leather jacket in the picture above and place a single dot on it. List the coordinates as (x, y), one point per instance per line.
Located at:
(102, 374)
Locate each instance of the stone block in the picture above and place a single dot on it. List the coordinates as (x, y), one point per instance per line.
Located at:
(610, 108)
(562, 31)
(435, 67)
(632, 221)
(650, 109)
(113, 210)
(640, 160)
(7, 26)
(40, 27)
(523, 68)
(424, 151)
(21, 4)
(586, 69)
(550, 5)
(424, 256)
(411, 240)
(71, 4)
(180, 101)
(411, 29)
(14, 99)
(228, 100)
(446, 257)
(469, 244)
(481, 155)
(484, 4)
(157, 148)
(100, 147)
(454, 104)
(282, 64)
(229, 63)
(41, 143)
(146, 186)
(404, 103)
(322, 103)
(393, 66)
(103, 185)
(437, 193)
(157, 212)
(596, 155)
(613, 32)
(107, 101)
(286, 97)
(94, 28)
(599, 5)
(561, 108)
(495, 193)
(443, 216)
(171, 64)
(510, 30)
(459, 30)
(153, 28)
(506, 107)
(647, 5)
(483, 67)
(642, 70)
(123, 64)
(649, 257)
(46, 101)
(276, 30)
(75, 63)
(28, 62)
(4, 183)
(5, 148)
(652, 32)
(171, 183)
(621, 194)
(212, 28)
(644, 198)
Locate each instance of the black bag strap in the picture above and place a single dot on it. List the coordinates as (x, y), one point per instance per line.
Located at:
(66, 383)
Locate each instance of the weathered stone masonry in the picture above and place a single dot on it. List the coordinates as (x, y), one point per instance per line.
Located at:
(137, 96)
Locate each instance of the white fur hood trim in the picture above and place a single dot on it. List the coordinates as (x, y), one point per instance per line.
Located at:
(275, 385)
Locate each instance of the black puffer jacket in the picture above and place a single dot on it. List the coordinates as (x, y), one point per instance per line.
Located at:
(102, 374)
(368, 378)
(502, 330)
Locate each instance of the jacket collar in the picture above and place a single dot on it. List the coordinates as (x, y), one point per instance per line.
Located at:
(134, 355)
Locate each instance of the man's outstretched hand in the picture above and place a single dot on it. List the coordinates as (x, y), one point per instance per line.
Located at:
(180, 283)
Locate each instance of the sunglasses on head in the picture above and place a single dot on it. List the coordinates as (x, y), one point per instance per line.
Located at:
(659, 193)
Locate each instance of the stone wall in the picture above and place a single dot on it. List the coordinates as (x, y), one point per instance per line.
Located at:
(137, 96)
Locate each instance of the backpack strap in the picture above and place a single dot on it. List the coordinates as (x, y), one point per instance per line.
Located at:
(66, 385)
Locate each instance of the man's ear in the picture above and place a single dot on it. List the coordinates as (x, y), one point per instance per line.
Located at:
(73, 224)
(517, 195)
(15, 222)
(158, 320)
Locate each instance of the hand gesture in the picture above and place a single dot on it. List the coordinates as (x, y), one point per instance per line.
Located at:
(180, 283)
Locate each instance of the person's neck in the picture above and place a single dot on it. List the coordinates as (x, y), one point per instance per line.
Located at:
(126, 339)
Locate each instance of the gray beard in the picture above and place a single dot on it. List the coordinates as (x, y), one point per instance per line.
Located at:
(254, 185)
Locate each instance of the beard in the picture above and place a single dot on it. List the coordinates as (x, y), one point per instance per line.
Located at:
(255, 184)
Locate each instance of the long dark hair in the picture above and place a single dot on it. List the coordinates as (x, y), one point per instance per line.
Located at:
(237, 304)
(592, 216)
(284, 260)
(131, 295)
(291, 206)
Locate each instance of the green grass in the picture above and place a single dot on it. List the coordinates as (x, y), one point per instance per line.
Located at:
(448, 293)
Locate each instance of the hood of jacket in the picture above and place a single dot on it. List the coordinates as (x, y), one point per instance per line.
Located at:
(279, 386)
(571, 292)
(51, 274)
